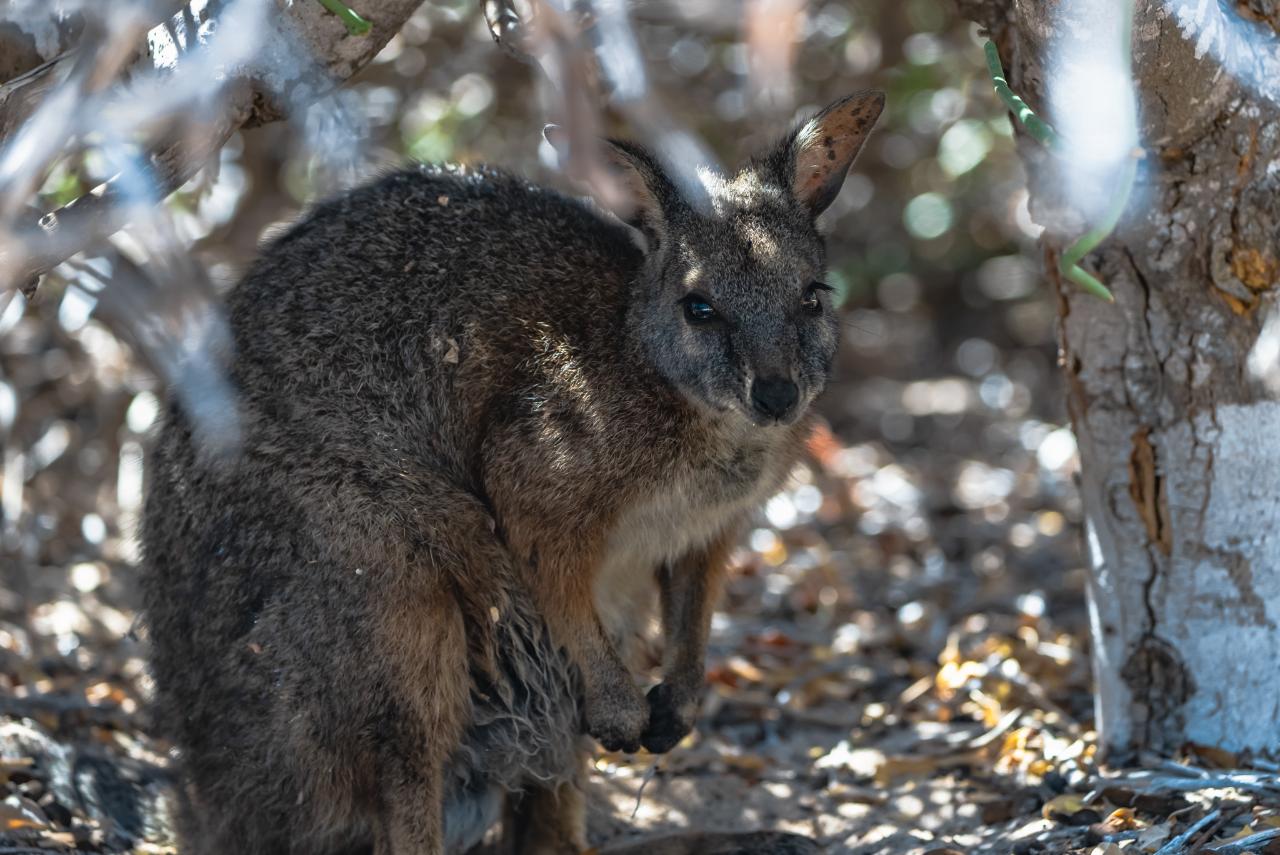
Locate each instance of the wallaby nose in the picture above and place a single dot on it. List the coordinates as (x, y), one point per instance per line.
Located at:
(774, 396)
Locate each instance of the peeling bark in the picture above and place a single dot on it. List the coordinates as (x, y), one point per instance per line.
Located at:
(1180, 448)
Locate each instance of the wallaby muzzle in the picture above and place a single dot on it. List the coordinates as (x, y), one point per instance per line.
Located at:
(774, 397)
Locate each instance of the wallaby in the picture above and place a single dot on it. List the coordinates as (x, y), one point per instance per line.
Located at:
(480, 421)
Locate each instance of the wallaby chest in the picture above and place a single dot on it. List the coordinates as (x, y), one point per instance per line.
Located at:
(700, 498)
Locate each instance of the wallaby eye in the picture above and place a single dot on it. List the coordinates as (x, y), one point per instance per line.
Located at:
(697, 310)
(810, 302)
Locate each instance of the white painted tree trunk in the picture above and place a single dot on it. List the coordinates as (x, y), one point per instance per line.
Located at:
(1183, 537)
(1180, 446)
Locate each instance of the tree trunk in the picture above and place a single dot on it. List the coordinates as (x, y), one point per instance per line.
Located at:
(1180, 446)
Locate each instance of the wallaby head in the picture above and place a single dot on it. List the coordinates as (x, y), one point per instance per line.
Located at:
(733, 310)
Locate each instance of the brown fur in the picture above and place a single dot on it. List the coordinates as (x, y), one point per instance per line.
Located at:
(479, 425)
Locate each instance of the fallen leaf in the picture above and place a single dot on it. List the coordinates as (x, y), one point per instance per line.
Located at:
(1153, 837)
(1065, 804)
(740, 667)
(1070, 809)
(23, 815)
(1107, 849)
(1121, 819)
(922, 765)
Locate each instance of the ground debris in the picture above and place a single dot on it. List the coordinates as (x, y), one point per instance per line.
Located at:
(901, 663)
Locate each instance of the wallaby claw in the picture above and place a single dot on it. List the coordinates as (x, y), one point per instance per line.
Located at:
(615, 736)
(614, 742)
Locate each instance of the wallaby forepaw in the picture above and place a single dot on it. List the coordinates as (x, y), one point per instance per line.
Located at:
(671, 719)
(616, 733)
(617, 722)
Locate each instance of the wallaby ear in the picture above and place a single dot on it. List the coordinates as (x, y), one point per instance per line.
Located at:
(821, 150)
(645, 185)
(635, 186)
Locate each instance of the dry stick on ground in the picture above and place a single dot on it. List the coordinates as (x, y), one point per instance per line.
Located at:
(1179, 844)
(1211, 831)
(40, 243)
(1247, 844)
(1185, 782)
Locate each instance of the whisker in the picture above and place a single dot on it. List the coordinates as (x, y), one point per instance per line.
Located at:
(846, 322)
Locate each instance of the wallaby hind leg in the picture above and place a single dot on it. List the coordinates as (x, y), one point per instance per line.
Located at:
(412, 823)
(425, 641)
(546, 821)
(718, 843)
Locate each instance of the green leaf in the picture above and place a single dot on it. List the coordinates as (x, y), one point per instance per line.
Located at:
(1042, 131)
(356, 25)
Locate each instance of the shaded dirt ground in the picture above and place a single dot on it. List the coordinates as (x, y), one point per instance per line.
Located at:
(900, 665)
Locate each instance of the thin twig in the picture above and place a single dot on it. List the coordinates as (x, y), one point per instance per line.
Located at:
(1183, 769)
(649, 775)
(1248, 781)
(1179, 843)
(1003, 726)
(1228, 814)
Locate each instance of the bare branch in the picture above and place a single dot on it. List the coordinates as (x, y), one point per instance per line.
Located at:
(54, 237)
(20, 96)
(309, 52)
(507, 20)
(26, 44)
(589, 56)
